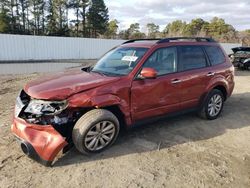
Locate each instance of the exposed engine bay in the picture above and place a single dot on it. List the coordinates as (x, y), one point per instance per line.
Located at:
(42, 113)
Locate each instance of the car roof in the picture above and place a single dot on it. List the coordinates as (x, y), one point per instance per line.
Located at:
(148, 43)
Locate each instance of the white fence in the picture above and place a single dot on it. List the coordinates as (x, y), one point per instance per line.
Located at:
(21, 48)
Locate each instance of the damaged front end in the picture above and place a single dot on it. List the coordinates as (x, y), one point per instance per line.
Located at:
(44, 128)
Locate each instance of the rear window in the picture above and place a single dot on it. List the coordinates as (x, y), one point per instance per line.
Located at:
(215, 55)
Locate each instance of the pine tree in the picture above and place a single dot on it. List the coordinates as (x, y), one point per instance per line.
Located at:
(84, 4)
(57, 23)
(5, 19)
(98, 17)
(37, 12)
(52, 26)
(75, 5)
(24, 7)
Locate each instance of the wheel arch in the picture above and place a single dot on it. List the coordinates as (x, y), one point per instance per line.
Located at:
(118, 106)
(115, 109)
(220, 86)
(223, 90)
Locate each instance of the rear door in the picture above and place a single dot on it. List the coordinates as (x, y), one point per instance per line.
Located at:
(196, 74)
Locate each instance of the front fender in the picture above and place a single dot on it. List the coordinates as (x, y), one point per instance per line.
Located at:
(83, 100)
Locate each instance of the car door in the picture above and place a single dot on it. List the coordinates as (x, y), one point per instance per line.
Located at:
(196, 74)
(152, 97)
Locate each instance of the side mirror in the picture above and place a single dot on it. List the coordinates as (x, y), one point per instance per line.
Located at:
(148, 73)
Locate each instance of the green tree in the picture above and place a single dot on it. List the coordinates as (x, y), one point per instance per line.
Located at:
(5, 20)
(112, 29)
(97, 18)
(75, 5)
(52, 17)
(80, 10)
(195, 28)
(176, 28)
(124, 34)
(134, 28)
(57, 23)
(24, 8)
(84, 4)
(153, 30)
(218, 27)
(38, 15)
(134, 31)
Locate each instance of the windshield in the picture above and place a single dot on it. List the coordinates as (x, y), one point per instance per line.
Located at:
(120, 61)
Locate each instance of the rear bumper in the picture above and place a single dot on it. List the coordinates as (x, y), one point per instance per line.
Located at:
(40, 142)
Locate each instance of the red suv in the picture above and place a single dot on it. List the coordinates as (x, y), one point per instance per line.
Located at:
(139, 80)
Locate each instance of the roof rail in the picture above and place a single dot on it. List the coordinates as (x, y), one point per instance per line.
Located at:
(159, 40)
(135, 40)
(198, 39)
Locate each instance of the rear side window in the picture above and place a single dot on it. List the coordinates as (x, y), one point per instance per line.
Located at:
(191, 57)
(215, 55)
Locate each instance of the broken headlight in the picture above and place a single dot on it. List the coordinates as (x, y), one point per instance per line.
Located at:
(41, 107)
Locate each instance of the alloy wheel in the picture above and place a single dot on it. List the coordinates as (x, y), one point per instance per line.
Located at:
(215, 105)
(100, 135)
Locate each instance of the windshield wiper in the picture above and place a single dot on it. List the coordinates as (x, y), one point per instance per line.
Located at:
(98, 72)
(106, 73)
(112, 74)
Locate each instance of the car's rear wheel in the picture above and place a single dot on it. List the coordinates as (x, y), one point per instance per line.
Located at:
(213, 105)
(95, 131)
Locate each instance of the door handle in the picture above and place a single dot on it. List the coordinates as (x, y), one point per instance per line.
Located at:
(211, 74)
(176, 81)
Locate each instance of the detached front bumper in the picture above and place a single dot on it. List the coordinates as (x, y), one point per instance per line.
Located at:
(40, 142)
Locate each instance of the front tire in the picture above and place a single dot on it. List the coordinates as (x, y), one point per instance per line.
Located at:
(95, 131)
(213, 105)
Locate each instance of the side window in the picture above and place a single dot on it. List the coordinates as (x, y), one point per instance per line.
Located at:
(191, 57)
(215, 55)
(163, 60)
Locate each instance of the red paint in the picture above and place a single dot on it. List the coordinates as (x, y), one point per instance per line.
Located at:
(46, 141)
(136, 98)
(61, 85)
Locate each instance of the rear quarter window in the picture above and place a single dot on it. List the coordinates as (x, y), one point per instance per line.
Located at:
(215, 55)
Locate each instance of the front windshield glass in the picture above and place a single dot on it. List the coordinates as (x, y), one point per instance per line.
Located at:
(120, 61)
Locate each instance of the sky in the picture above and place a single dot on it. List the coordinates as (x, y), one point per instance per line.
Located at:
(161, 12)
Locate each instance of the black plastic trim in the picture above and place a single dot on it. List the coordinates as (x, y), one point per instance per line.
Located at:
(197, 39)
(164, 40)
(31, 153)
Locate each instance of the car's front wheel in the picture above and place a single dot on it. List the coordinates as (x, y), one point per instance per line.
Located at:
(213, 105)
(95, 131)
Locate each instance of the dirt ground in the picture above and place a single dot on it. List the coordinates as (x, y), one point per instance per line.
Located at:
(179, 152)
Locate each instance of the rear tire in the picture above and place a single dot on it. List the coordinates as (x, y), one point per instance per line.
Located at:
(95, 131)
(213, 105)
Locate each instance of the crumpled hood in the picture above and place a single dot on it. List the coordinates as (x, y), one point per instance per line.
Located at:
(64, 84)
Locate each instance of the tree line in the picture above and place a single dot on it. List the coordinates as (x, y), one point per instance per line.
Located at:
(51, 17)
(217, 28)
(91, 19)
